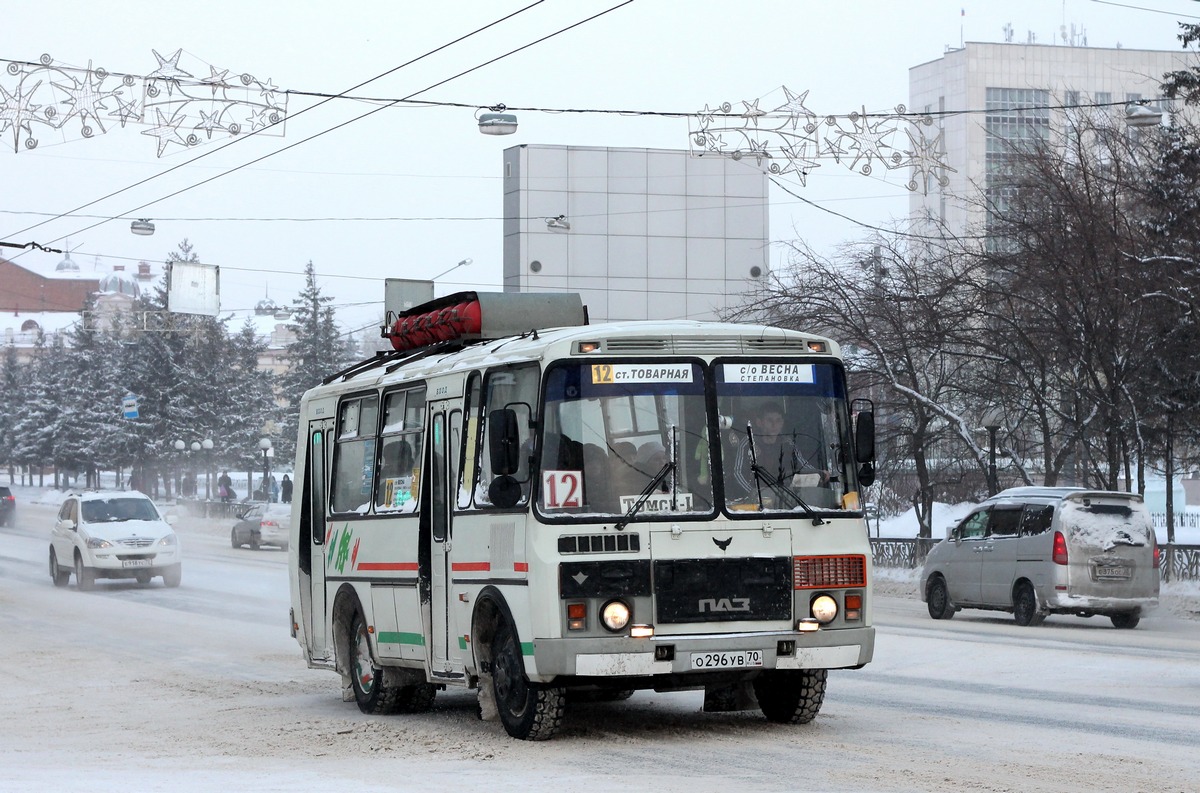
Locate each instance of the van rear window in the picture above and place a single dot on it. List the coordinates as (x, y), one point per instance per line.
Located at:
(1109, 509)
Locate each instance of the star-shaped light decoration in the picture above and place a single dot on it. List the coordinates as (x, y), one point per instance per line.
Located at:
(167, 131)
(758, 149)
(126, 111)
(216, 80)
(17, 112)
(85, 98)
(168, 70)
(927, 159)
(209, 122)
(868, 141)
(753, 113)
(796, 111)
(796, 160)
(261, 118)
(268, 91)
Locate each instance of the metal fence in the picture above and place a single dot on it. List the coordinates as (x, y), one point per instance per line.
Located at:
(1178, 563)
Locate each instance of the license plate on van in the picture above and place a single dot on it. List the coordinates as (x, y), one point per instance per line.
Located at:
(136, 563)
(1113, 572)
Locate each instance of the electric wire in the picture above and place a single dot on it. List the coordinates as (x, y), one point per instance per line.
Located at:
(238, 140)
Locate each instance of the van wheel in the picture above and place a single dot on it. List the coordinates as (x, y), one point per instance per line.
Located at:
(1025, 606)
(528, 711)
(173, 576)
(1128, 619)
(58, 575)
(791, 697)
(85, 577)
(939, 600)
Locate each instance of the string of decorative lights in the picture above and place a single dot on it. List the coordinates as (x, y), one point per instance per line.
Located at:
(169, 79)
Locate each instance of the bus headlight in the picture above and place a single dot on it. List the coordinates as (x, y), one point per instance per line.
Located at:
(615, 615)
(824, 609)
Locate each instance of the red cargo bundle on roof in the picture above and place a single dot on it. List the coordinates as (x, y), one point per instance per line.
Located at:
(475, 316)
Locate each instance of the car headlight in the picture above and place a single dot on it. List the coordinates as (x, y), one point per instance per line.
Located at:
(824, 609)
(96, 542)
(170, 539)
(615, 615)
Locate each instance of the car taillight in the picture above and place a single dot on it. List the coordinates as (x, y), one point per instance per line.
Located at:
(271, 523)
(1060, 548)
(1157, 552)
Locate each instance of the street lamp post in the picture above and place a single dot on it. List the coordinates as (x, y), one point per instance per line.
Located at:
(991, 423)
(207, 446)
(265, 445)
(179, 447)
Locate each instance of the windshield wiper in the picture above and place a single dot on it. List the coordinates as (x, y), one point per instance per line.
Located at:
(668, 467)
(776, 484)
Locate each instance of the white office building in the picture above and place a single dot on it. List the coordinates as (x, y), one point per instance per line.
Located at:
(1015, 91)
(639, 233)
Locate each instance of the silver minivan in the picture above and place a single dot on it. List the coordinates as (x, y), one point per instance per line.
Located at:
(1036, 551)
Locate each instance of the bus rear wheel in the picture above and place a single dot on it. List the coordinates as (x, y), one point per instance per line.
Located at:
(373, 692)
(791, 697)
(528, 711)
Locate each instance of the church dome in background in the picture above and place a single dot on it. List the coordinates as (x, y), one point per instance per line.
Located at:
(120, 282)
(67, 265)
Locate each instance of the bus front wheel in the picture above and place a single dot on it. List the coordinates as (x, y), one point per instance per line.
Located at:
(528, 711)
(791, 696)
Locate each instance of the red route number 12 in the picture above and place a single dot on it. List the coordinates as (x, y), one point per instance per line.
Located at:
(562, 489)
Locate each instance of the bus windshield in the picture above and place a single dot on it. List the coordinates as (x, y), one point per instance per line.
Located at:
(785, 436)
(613, 428)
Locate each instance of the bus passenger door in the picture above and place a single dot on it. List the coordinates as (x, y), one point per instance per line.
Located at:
(439, 524)
(314, 525)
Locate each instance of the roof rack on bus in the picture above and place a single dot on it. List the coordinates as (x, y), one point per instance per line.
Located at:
(481, 316)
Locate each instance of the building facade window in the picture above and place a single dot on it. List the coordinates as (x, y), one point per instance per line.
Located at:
(1017, 121)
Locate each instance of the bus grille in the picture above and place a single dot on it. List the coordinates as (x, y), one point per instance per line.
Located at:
(723, 590)
(820, 572)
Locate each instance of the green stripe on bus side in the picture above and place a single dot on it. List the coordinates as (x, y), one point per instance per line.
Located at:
(526, 648)
(396, 637)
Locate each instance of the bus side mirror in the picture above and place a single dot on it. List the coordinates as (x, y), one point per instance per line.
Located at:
(866, 474)
(504, 441)
(864, 437)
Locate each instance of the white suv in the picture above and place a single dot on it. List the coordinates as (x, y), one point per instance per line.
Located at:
(117, 534)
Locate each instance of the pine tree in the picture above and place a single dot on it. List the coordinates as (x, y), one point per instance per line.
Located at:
(319, 351)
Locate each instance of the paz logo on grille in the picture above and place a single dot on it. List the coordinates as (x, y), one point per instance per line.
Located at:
(724, 604)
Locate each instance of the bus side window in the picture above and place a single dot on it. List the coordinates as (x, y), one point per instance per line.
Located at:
(354, 457)
(469, 469)
(400, 450)
(515, 388)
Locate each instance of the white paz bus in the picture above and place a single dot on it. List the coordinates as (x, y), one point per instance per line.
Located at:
(518, 502)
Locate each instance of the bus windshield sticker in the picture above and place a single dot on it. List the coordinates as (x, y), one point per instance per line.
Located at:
(606, 373)
(561, 489)
(659, 502)
(768, 372)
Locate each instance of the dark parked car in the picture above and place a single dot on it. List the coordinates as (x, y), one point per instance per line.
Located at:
(8, 506)
(262, 524)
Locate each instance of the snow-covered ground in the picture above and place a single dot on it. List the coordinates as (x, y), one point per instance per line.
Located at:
(202, 689)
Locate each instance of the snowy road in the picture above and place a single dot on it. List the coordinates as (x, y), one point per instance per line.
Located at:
(202, 689)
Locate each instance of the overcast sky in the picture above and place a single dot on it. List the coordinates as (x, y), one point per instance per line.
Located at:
(408, 192)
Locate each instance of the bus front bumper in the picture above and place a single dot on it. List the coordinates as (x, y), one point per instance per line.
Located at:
(621, 656)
